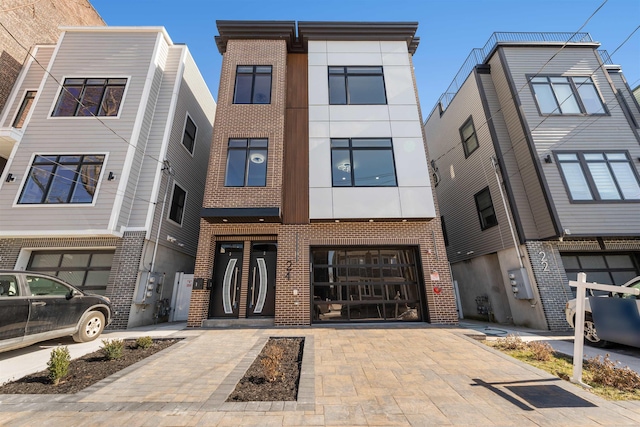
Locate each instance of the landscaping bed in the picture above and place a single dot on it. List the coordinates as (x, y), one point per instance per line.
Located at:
(85, 371)
(274, 375)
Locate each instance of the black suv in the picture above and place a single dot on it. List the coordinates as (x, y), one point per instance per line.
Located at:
(37, 307)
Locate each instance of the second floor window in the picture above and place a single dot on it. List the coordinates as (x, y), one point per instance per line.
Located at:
(566, 95)
(486, 213)
(362, 162)
(25, 107)
(356, 85)
(469, 138)
(599, 176)
(90, 97)
(178, 201)
(253, 84)
(62, 179)
(189, 136)
(247, 162)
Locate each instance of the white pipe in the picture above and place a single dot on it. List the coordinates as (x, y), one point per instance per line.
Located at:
(506, 211)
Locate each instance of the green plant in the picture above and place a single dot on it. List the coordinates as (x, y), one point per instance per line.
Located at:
(144, 342)
(112, 349)
(604, 372)
(540, 350)
(58, 364)
(510, 342)
(271, 362)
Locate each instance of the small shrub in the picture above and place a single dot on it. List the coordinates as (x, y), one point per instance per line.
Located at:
(510, 342)
(605, 373)
(58, 364)
(112, 349)
(271, 362)
(540, 350)
(144, 342)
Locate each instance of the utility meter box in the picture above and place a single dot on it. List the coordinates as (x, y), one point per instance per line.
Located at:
(520, 285)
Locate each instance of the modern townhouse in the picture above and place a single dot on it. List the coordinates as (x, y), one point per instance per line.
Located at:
(536, 154)
(319, 204)
(106, 137)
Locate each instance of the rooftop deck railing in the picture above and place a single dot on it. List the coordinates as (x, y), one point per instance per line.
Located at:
(479, 55)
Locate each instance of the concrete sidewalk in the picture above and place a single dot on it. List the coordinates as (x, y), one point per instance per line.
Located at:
(378, 375)
(24, 361)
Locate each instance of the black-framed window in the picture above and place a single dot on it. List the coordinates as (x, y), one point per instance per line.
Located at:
(189, 136)
(599, 176)
(486, 213)
(62, 179)
(362, 162)
(86, 269)
(356, 86)
(253, 84)
(247, 162)
(566, 95)
(178, 201)
(469, 137)
(90, 97)
(24, 109)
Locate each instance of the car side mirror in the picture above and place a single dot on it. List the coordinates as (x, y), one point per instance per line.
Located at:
(72, 293)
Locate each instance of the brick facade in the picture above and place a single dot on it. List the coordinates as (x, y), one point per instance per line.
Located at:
(34, 23)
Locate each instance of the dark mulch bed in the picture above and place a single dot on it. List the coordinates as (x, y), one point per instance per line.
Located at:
(84, 371)
(255, 384)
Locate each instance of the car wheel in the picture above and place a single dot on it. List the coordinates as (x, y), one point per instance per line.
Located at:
(90, 328)
(591, 335)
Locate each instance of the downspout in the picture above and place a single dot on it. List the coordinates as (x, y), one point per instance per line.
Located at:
(166, 167)
(494, 161)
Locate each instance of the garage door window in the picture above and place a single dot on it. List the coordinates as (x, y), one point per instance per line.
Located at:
(610, 269)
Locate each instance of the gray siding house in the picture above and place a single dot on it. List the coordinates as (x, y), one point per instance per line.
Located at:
(105, 140)
(536, 155)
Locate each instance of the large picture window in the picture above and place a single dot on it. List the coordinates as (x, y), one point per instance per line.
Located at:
(178, 201)
(90, 97)
(62, 179)
(469, 137)
(486, 213)
(356, 85)
(247, 162)
(566, 95)
(253, 84)
(363, 162)
(599, 176)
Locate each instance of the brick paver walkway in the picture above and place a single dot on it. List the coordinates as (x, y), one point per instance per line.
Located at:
(359, 376)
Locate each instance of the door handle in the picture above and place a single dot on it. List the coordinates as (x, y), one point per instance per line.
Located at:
(253, 288)
(235, 287)
(38, 303)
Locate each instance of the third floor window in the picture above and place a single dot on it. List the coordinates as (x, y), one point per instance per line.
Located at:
(253, 84)
(356, 85)
(90, 97)
(566, 95)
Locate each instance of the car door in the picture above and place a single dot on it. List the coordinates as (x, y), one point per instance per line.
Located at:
(14, 308)
(53, 308)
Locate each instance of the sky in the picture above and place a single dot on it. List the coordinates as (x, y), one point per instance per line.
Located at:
(448, 29)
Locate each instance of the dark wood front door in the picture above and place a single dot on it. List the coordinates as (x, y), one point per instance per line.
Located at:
(262, 280)
(227, 273)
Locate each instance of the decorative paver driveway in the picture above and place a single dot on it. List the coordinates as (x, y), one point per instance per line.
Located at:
(377, 376)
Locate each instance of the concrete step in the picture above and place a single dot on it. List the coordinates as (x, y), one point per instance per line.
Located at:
(239, 323)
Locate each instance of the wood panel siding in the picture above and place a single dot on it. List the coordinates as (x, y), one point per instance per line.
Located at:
(295, 183)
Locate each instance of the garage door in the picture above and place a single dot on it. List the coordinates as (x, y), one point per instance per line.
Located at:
(611, 269)
(87, 270)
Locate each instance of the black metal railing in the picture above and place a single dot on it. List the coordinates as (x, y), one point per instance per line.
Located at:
(479, 55)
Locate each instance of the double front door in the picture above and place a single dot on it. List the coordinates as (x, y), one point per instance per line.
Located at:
(230, 292)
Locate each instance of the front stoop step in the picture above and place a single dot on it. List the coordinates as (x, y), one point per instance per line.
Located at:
(238, 323)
